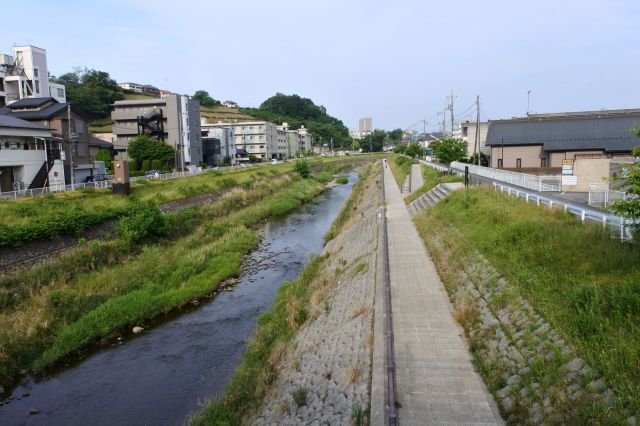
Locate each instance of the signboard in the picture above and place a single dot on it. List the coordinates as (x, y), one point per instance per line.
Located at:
(567, 167)
(569, 180)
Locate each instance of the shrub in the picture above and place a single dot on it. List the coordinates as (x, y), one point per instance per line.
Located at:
(133, 165)
(146, 222)
(302, 168)
(342, 180)
(146, 165)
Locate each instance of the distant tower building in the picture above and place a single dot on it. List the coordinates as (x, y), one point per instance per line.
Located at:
(365, 126)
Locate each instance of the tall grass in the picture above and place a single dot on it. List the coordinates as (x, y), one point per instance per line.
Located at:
(584, 283)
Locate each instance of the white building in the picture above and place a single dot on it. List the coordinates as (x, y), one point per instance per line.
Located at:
(26, 75)
(468, 134)
(297, 142)
(365, 126)
(217, 143)
(135, 87)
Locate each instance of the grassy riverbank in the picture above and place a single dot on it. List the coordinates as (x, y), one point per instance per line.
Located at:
(400, 167)
(56, 309)
(274, 331)
(432, 178)
(585, 284)
(52, 215)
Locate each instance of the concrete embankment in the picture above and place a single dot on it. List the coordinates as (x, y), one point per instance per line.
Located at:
(324, 377)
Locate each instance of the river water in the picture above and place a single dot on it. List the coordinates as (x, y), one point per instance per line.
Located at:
(162, 375)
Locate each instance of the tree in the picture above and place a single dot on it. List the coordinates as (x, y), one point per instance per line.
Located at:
(448, 150)
(396, 135)
(484, 159)
(145, 147)
(374, 141)
(400, 149)
(629, 181)
(414, 150)
(92, 90)
(302, 167)
(203, 97)
(105, 155)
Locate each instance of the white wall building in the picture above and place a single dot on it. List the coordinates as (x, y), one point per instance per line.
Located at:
(217, 143)
(26, 75)
(131, 86)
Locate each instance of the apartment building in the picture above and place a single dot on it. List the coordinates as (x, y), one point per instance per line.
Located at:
(134, 87)
(174, 120)
(26, 75)
(258, 138)
(296, 141)
(217, 144)
(365, 126)
(68, 126)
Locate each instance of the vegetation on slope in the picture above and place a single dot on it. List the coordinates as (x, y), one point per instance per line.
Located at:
(432, 178)
(583, 282)
(400, 167)
(56, 309)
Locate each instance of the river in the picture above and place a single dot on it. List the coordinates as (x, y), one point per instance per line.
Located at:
(164, 374)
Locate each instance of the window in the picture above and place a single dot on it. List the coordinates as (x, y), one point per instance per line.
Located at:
(499, 163)
(36, 72)
(519, 162)
(465, 131)
(60, 93)
(37, 86)
(543, 162)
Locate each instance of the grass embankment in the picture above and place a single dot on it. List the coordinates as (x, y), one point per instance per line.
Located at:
(400, 167)
(56, 309)
(584, 283)
(274, 331)
(53, 215)
(432, 178)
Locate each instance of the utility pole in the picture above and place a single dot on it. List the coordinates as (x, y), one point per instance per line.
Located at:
(477, 144)
(73, 180)
(450, 108)
(331, 145)
(444, 120)
(424, 125)
(528, 96)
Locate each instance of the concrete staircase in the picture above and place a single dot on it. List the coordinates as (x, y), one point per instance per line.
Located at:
(435, 195)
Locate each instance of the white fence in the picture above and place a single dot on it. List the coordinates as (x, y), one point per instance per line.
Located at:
(13, 195)
(601, 196)
(618, 226)
(436, 166)
(542, 183)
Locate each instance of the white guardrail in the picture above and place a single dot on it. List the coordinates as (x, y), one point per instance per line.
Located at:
(542, 183)
(13, 195)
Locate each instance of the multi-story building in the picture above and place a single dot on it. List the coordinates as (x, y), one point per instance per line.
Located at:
(175, 120)
(151, 90)
(23, 154)
(468, 134)
(26, 75)
(68, 126)
(365, 126)
(217, 144)
(134, 87)
(258, 138)
(297, 142)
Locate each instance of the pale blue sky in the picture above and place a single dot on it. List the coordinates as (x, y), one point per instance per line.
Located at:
(395, 61)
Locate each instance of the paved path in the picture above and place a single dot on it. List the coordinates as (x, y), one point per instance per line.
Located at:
(436, 382)
(416, 177)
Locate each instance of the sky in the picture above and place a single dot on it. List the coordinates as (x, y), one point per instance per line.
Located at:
(395, 61)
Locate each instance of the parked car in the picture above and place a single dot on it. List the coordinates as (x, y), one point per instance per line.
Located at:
(95, 178)
(153, 173)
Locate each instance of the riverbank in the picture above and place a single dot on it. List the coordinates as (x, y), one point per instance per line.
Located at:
(549, 306)
(310, 357)
(54, 310)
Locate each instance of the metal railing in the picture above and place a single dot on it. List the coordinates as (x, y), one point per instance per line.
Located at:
(601, 196)
(436, 166)
(542, 183)
(55, 188)
(618, 226)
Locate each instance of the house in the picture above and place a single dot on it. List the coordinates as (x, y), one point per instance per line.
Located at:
(27, 154)
(26, 75)
(134, 87)
(587, 144)
(68, 125)
(174, 120)
(151, 90)
(468, 134)
(230, 104)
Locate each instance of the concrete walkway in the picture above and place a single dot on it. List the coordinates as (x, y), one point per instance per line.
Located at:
(436, 382)
(416, 178)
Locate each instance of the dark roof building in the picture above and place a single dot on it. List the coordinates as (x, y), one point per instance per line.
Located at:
(544, 140)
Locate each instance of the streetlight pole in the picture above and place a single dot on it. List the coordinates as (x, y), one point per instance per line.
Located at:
(528, 95)
(73, 180)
